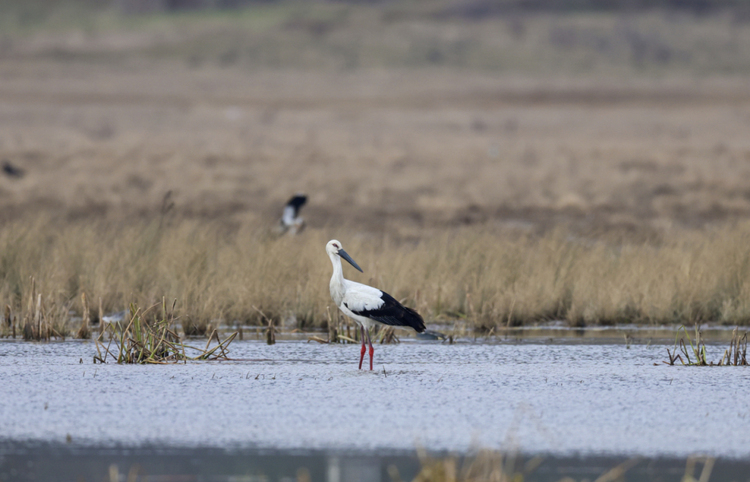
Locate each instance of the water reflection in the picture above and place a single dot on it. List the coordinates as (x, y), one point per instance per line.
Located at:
(65, 462)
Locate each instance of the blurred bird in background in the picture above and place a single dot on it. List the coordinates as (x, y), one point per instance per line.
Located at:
(12, 171)
(291, 222)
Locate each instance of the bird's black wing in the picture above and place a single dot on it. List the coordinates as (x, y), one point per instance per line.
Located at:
(393, 313)
(12, 171)
(297, 202)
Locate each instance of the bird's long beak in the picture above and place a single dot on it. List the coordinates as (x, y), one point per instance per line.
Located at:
(344, 255)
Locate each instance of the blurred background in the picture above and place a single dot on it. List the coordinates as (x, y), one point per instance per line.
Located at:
(403, 118)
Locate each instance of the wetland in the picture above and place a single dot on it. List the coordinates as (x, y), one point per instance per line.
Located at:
(555, 192)
(562, 399)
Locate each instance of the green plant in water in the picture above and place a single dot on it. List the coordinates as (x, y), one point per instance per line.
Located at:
(735, 355)
(138, 340)
(698, 350)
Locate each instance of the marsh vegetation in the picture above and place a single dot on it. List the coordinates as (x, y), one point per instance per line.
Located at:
(239, 275)
(150, 336)
(517, 167)
(490, 165)
(496, 466)
(735, 355)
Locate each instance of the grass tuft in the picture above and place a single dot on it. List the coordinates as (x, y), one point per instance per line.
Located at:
(735, 355)
(145, 338)
(84, 332)
(193, 327)
(496, 466)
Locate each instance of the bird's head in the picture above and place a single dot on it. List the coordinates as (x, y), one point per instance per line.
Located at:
(333, 248)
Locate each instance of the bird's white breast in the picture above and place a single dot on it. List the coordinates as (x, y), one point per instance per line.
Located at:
(359, 297)
(289, 216)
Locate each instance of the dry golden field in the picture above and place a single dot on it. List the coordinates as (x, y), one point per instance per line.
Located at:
(555, 168)
(229, 275)
(392, 152)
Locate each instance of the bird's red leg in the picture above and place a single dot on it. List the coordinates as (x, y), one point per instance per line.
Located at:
(363, 350)
(372, 350)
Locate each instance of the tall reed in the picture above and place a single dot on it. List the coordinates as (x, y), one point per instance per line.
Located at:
(241, 274)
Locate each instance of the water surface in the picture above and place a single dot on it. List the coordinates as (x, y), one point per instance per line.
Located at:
(552, 398)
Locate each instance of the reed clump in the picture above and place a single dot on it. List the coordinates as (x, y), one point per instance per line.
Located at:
(193, 327)
(143, 338)
(84, 331)
(486, 465)
(735, 355)
(39, 318)
(8, 328)
(498, 466)
(237, 274)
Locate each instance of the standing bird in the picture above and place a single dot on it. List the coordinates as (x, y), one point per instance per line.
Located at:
(290, 220)
(364, 304)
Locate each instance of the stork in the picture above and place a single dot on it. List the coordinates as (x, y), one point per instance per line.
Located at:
(290, 220)
(366, 305)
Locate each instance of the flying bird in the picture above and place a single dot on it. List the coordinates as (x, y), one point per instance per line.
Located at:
(291, 221)
(366, 305)
(12, 171)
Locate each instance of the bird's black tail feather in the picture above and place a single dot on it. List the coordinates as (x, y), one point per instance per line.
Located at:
(413, 319)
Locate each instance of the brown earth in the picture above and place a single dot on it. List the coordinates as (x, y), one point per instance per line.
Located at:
(397, 151)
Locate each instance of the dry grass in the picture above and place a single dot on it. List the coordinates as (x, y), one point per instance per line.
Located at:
(495, 466)
(585, 167)
(147, 336)
(226, 274)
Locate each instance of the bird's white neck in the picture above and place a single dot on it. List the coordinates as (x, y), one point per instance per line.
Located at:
(337, 280)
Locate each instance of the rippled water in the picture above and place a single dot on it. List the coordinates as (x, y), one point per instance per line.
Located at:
(554, 398)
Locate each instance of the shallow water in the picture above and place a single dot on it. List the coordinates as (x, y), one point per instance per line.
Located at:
(553, 398)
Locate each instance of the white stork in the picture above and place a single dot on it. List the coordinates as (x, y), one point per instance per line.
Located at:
(366, 305)
(290, 220)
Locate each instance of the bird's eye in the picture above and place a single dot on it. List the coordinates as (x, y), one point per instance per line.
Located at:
(335, 245)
